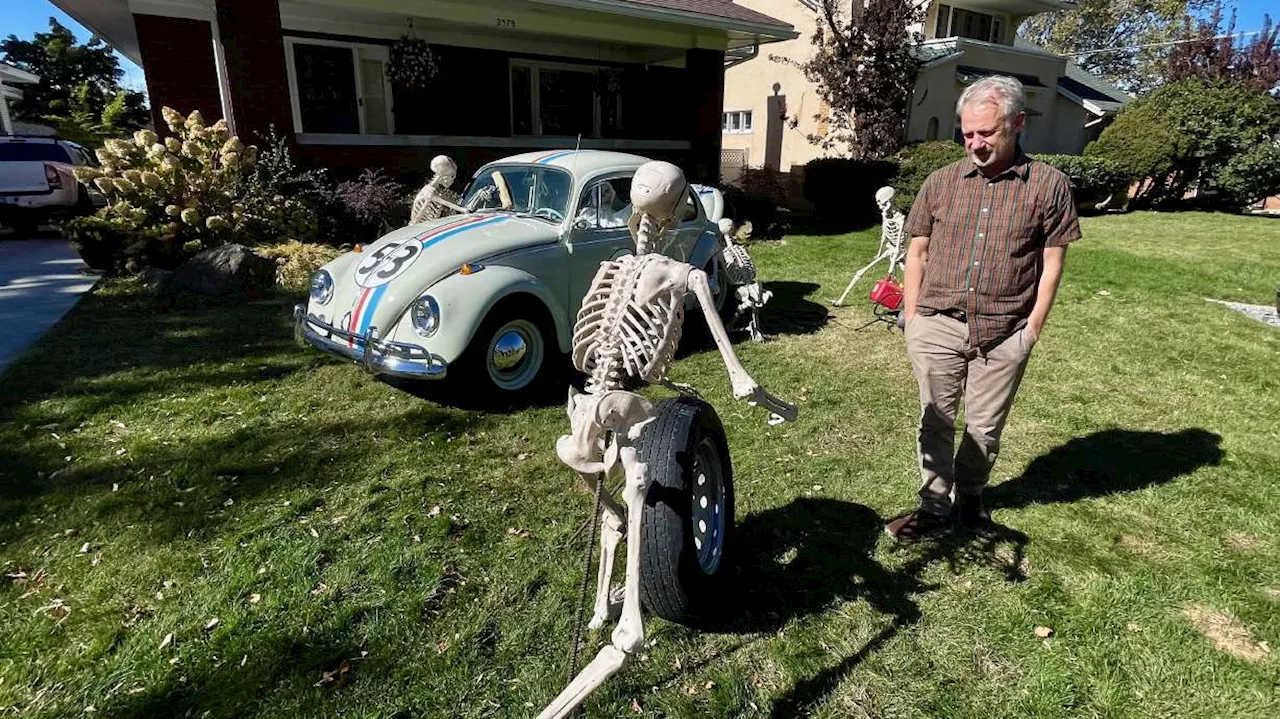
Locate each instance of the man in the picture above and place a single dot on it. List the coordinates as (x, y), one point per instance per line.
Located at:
(988, 239)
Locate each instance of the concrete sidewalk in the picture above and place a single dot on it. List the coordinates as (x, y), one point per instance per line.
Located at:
(39, 281)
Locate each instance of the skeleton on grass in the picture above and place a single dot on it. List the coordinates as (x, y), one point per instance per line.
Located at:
(628, 330)
(436, 199)
(892, 245)
(740, 271)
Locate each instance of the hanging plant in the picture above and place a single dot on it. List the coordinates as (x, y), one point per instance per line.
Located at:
(413, 65)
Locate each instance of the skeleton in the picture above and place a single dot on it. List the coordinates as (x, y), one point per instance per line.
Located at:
(891, 240)
(436, 199)
(628, 329)
(740, 271)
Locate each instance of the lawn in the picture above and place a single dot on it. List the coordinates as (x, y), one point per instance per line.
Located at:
(198, 518)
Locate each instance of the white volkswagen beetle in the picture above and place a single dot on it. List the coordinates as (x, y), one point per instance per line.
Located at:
(491, 294)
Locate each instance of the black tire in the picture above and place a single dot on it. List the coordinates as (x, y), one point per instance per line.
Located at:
(685, 568)
(26, 225)
(530, 377)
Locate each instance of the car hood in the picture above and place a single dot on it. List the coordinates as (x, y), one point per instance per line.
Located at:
(373, 287)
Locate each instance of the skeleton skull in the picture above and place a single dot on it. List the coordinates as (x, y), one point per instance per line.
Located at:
(884, 198)
(444, 169)
(657, 189)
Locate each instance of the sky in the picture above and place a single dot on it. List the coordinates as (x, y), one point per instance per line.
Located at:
(24, 18)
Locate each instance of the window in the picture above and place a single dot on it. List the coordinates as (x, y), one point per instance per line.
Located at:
(606, 205)
(21, 151)
(559, 99)
(942, 27)
(973, 25)
(539, 191)
(736, 121)
(338, 87)
(689, 212)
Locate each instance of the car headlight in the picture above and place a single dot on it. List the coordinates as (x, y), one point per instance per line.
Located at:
(424, 313)
(321, 286)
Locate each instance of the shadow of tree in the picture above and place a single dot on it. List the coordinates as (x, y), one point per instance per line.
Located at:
(1108, 462)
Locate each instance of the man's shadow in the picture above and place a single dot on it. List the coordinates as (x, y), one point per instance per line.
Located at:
(1108, 462)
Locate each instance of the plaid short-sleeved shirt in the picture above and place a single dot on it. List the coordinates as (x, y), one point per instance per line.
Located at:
(985, 241)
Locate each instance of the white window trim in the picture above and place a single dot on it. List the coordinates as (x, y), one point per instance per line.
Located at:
(951, 22)
(381, 52)
(535, 98)
(740, 131)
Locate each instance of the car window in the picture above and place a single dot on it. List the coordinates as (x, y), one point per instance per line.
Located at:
(607, 204)
(80, 155)
(32, 152)
(689, 211)
(540, 191)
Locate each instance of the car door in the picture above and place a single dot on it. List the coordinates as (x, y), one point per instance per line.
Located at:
(690, 226)
(598, 232)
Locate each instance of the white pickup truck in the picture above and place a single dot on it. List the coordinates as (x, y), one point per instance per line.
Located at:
(36, 184)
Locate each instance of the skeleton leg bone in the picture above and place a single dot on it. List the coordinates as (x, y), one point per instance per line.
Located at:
(858, 275)
(610, 535)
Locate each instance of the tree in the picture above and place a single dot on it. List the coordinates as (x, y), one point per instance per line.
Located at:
(1105, 24)
(1192, 133)
(1212, 53)
(79, 90)
(864, 69)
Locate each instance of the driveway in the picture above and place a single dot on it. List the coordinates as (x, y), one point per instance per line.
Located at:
(39, 281)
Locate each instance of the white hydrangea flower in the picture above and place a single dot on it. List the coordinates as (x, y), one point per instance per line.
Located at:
(190, 216)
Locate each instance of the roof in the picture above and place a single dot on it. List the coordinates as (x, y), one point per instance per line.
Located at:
(720, 14)
(577, 161)
(1091, 91)
(14, 75)
(969, 74)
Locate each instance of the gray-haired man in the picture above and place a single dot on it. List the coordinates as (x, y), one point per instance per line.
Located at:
(988, 240)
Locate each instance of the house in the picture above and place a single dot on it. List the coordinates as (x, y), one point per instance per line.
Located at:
(510, 76)
(964, 40)
(9, 77)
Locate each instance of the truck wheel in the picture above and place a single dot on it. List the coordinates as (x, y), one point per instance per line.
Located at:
(687, 521)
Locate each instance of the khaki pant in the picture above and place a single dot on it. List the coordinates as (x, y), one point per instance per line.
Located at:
(946, 368)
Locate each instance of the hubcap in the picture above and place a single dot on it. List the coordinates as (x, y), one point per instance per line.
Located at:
(515, 355)
(708, 506)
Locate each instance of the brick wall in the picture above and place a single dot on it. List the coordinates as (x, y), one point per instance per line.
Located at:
(178, 57)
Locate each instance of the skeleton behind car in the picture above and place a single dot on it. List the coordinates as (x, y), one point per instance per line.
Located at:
(627, 331)
(892, 247)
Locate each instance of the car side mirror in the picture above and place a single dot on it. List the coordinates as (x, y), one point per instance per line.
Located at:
(582, 225)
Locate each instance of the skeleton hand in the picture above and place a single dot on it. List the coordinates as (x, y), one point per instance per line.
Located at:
(779, 410)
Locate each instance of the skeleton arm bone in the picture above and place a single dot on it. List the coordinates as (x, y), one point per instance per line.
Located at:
(743, 385)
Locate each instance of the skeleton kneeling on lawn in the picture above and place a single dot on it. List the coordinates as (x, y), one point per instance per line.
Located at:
(627, 331)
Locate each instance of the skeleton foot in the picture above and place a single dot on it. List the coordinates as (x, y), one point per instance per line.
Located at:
(612, 610)
(606, 664)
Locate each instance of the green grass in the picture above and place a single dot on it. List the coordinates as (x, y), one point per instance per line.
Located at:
(164, 469)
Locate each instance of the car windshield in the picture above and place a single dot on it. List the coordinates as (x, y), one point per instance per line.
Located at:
(539, 191)
(32, 152)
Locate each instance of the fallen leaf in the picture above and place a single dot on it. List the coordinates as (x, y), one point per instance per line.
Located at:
(321, 588)
(168, 639)
(229, 502)
(115, 487)
(521, 533)
(1104, 293)
(244, 659)
(708, 685)
(120, 451)
(635, 707)
(1133, 627)
(84, 548)
(211, 624)
(435, 511)
(522, 456)
(1044, 632)
(314, 533)
(255, 598)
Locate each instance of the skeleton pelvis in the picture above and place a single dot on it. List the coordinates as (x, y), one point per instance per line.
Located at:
(588, 449)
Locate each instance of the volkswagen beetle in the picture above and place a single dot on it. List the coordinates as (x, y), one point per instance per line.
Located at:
(489, 296)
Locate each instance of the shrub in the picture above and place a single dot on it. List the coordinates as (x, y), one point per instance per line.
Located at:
(374, 203)
(1093, 178)
(1250, 176)
(171, 199)
(1185, 134)
(916, 162)
(843, 190)
(113, 244)
(757, 201)
(295, 261)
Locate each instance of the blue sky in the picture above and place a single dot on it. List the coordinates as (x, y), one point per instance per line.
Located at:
(26, 17)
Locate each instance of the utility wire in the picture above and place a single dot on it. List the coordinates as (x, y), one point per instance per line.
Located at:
(1159, 44)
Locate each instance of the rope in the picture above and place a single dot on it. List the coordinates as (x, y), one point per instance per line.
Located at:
(586, 581)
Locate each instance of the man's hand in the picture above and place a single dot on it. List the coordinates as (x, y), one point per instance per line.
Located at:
(913, 275)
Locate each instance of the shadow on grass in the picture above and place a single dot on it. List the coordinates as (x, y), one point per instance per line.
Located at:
(1108, 462)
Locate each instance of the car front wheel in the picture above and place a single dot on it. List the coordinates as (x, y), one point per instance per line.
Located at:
(508, 356)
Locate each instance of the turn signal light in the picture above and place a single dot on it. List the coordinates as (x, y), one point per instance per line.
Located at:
(470, 268)
(358, 248)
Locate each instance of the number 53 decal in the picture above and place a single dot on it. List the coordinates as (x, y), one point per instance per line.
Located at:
(387, 263)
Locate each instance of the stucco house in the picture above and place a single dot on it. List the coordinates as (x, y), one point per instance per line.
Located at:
(10, 78)
(645, 76)
(964, 40)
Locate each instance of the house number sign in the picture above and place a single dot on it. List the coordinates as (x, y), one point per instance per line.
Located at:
(506, 22)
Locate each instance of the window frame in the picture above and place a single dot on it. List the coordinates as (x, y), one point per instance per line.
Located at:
(373, 51)
(746, 122)
(994, 35)
(535, 95)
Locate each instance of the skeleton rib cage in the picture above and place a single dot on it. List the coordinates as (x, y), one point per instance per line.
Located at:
(629, 327)
(738, 265)
(425, 207)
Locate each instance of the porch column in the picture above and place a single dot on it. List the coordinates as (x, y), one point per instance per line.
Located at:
(705, 70)
(256, 79)
(178, 56)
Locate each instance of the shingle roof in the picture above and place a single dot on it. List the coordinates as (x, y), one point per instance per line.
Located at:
(1087, 86)
(715, 8)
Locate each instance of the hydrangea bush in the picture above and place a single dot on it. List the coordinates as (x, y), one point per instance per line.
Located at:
(170, 198)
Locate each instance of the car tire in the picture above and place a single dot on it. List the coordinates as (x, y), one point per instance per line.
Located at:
(687, 521)
(512, 355)
(26, 225)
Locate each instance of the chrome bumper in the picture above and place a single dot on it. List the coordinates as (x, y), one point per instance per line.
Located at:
(398, 359)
